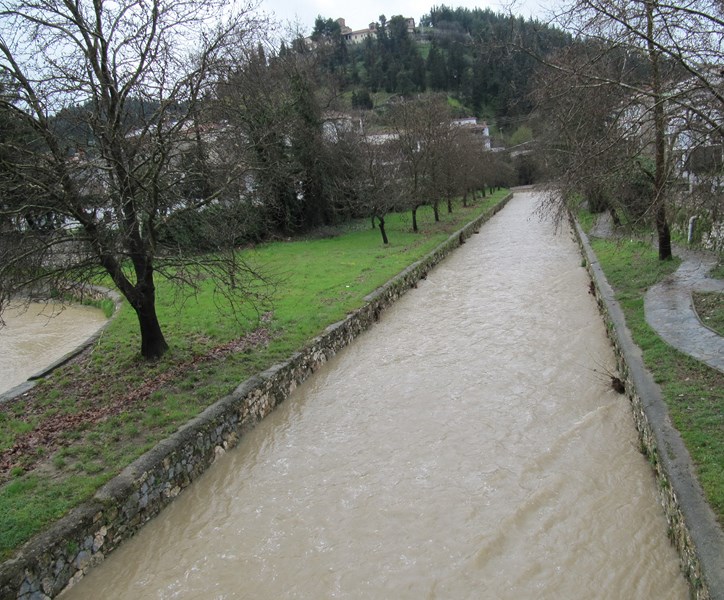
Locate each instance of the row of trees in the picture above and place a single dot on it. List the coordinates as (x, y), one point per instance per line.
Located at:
(628, 95)
(426, 159)
(145, 138)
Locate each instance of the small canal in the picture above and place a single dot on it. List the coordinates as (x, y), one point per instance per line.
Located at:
(467, 446)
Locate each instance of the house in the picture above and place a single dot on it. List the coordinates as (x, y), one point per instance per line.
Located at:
(360, 35)
(479, 129)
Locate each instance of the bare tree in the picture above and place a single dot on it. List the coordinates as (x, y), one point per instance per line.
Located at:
(380, 189)
(111, 95)
(677, 49)
(591, 146)
(421, 126)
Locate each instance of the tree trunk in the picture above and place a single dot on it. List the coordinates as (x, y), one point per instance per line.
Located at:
(381, 221)
(436, 211)
(465, 199)
(153, 344)
(659, 191)
(414, 219)
(664, 235)
(449, 206)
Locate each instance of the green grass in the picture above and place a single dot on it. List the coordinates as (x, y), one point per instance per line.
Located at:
(692, 391)
(424, 49)
(587, 220)
(718, 271)
(710, 308)
(454, 102)
(319, 281)
(31, 502)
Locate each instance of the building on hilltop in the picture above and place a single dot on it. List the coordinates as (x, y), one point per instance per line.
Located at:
(360, 35)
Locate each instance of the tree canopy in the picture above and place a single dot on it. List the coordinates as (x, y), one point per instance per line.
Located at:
(108, 99)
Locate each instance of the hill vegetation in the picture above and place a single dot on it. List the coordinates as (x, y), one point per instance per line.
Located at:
(468, 54)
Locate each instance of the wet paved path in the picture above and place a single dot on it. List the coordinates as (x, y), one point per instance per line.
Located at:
(670, 310)
(669, 307)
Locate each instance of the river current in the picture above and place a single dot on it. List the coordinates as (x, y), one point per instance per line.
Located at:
(468, 446)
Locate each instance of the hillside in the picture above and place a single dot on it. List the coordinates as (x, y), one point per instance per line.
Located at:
(470, 54)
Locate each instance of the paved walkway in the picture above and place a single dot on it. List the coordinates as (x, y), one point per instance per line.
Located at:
(669, 307)
(670, 310)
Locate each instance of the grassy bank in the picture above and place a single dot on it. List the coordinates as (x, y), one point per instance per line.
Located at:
(692, 391)
(710, 308)
(94, 416)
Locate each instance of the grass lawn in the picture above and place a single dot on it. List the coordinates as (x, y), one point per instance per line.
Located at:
(94, 416)
(693, 392)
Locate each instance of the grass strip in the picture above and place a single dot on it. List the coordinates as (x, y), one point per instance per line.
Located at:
(80, 427)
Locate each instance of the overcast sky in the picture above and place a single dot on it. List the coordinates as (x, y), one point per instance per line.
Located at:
(359, 14)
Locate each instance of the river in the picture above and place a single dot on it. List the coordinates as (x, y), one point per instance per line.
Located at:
(468, 446)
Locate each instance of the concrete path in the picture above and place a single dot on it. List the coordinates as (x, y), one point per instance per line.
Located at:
(670, 310)
(669, 307)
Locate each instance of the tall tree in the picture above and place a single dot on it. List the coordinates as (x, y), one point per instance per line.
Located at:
(140, 70)
(272, 106)
(422, 127)
(682, 44)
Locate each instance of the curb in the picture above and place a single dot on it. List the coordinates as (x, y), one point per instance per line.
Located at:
(693, 528)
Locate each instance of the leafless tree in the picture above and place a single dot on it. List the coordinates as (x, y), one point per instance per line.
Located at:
(381, 188)
(665, 57)
(590, 146)
(421, 126)
(110, 98)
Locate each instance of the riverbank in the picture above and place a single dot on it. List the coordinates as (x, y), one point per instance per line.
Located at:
(691, 389)
(79, 428)
(82, 551)
(667, 387)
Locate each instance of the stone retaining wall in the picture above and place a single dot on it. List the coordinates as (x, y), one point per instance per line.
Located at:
(693, 528)
(61, 556)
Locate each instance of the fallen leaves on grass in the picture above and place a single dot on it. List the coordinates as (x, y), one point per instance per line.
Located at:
(49, 433)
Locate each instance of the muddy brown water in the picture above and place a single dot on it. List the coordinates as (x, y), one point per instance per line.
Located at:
(38, 334)
(467, 446)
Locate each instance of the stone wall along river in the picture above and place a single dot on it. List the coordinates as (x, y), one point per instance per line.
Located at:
(467, 446)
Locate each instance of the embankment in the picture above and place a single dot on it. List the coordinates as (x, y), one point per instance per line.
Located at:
(693, 528)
